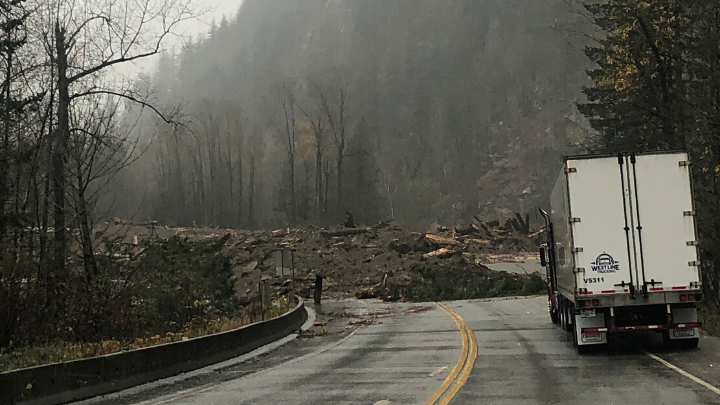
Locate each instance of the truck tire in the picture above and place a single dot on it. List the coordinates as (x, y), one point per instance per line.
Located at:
(689, 344)
(567, 315)
(679, 344)
(562, 321)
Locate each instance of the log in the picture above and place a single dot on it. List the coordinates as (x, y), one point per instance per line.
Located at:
(464, 231)
(441, 240)
(382, 224)
(344, 232)
(440, 254)
(279, 233)
(523, 223)
(516, 225)
(486, 229)
(480, 241)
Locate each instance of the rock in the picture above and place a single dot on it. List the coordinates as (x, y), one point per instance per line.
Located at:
(320, 323)
(399, 247)
(423, 245)
(250, 268)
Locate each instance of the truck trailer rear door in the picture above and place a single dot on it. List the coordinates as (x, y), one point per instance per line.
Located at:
(598, 209)
(664, 221)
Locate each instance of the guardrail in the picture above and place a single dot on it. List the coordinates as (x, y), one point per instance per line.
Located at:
(80, 379)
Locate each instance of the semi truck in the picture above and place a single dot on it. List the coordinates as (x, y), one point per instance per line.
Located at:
(622, 249)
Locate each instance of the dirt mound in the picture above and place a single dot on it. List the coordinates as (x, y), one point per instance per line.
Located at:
(384, 260)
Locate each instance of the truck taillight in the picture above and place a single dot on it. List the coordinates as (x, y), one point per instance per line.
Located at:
(590, 303)
(683, 297)
(691, 297)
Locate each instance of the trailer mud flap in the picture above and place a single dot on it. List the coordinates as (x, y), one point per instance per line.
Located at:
(590, 329)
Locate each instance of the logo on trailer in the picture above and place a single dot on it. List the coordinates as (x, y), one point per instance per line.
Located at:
(605, 264)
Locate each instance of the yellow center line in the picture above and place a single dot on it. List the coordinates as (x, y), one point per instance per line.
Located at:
(469, 364)
(464, 365)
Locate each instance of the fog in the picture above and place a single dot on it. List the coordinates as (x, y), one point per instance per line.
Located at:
(427, 112)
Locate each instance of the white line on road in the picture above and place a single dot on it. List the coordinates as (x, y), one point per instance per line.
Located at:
(383, 402)
(438, 371)
(685, 373)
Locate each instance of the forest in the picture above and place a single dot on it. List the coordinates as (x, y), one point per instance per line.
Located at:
(423, 112)
(296, 112)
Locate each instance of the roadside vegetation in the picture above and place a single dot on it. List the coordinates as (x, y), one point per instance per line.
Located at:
(710, 320)
(440, 284)
(158, 292)
(655, 86)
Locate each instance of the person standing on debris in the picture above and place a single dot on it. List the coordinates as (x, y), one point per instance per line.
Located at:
(349, 221)
(318, 286)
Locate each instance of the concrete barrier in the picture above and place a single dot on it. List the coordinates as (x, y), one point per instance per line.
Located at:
(80, 379)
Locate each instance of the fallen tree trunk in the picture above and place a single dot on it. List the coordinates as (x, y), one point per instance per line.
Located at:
(344, 232)
(480, 241)
(441, 240)
(465, 231)
(523, 223)
(440, 254)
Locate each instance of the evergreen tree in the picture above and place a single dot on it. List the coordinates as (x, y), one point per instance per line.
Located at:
(657, 86)
(637, 101)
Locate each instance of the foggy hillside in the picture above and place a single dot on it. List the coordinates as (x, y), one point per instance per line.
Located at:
(448, 109)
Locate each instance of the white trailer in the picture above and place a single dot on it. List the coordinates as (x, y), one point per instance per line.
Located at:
(624, 250)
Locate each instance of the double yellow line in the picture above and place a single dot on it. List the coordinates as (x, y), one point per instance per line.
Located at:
(464, 366)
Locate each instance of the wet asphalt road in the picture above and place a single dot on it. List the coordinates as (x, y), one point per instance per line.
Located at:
(404, 358)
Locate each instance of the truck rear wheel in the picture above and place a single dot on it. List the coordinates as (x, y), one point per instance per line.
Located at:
(561, 314)
(566, 314)
(553, 312)
(681, 344)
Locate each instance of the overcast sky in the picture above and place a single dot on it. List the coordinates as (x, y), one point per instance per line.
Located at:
(216, 9)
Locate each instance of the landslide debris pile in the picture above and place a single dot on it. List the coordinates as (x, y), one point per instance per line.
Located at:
(384, 260)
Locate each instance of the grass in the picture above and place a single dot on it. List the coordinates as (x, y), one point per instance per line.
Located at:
(67, 351)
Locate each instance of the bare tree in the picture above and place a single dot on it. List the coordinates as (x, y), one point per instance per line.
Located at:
(87, 38)
(335, 112)
(289, 136)
(99, 149)
(318, 124)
